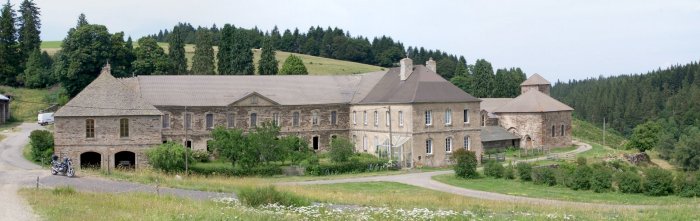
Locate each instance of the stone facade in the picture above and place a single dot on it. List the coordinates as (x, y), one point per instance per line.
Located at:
(544, 88)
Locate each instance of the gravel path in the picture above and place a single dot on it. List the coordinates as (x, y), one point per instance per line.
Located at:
(424, 180)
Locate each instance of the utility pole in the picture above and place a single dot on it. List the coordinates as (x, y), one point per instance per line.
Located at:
(604, 131)
(187, 149)
(391, 138)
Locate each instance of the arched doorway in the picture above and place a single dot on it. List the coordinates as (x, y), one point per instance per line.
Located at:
(528, 142)
(90, 160)
(125, 160)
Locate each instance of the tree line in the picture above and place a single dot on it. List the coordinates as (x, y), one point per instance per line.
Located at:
(659, 109)
(21, 60)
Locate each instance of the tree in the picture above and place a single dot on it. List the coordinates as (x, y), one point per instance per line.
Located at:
(242, 62)
(268, 63)
(293, 65)
(645, 136)
(169, 157)
(225, 54)
(465, 163)
(122, 56)
(203, 60)
(150, 58)
(482, 84)
(9, 53)
(29, 28)
(35, 74)
(176, 51)
(82, 20)
(231, 145)
(687, 152)
(341, 149)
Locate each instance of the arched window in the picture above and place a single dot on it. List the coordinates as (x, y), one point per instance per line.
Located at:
(90, 128)
(553, 131)
(123, 127)
(562, 130)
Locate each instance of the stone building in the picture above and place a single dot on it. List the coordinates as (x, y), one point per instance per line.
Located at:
(112, 121)
(534, 117)
(4, 109)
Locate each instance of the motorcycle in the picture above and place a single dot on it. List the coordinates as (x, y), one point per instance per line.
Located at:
(64, 167)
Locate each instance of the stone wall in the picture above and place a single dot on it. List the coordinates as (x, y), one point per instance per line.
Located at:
(557, 119)
(526, 125)
(544, 88)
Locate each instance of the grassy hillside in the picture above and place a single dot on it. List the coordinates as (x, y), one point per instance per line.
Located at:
(26, 102)
(315, 65)
(587, 131)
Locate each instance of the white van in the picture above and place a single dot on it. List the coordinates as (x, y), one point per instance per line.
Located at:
(45, 119)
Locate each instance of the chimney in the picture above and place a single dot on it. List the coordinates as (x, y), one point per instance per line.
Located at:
(107, 69)
(430, 64)
(406, 68)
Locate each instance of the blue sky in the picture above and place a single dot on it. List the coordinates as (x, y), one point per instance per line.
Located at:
(558, 39)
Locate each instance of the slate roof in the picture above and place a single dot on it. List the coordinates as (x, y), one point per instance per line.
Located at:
(422, 86)
(533, 101)
(535, 79)
(218, 90)
(107, 96)
(495, 133)
(491, 104)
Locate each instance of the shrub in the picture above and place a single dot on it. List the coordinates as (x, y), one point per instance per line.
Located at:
(200, 155)
(628, 182)
(543, 175)
(601, 179)
(657, 182)
(261, 196)
(340, 150)
(686, 185)
(41, 142)
(524, 171)
(565, 174)
(168, 157)
(581, 179)
(354, 165)
(465, 163)
(493, 169)
(581, 161)
(509, 172)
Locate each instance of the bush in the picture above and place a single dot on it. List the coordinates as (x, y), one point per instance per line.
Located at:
(524, 171)
(41, 142)
(565, 174)
(262, 196)
(657, 182)
(509, 172)
(493, 169)
(229, 170)
(581, 161)
(686, 185)
(601, 179)
(354, 165)
(465, 163)
(543, 175)
(168, 157)
(200, 155)
(581, 179)
(340, 150)
(628, 182)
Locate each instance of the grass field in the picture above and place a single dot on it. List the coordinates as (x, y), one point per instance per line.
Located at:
(315, 65)
(594, 133)
(26, 103)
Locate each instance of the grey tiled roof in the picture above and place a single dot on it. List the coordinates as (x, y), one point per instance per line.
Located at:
(533, 101)
(495, 133)
(107, 96)
(422, 86)
(535, 79)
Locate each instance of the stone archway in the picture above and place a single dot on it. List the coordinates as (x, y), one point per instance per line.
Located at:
(528, 142)
(90, 160)
(125, 160)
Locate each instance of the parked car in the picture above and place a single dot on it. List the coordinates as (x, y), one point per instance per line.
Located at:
(45, 118)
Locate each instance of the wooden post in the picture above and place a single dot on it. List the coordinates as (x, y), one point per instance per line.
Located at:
(37, 182)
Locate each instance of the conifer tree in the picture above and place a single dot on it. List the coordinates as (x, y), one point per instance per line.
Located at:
(9, 60)
(242, 55)
(82, 20)
(224, 55)
(29, 28)
(176, 51)
(293, 65)
(203, 60)
(483, 79)
(35, 75)
(268, 63)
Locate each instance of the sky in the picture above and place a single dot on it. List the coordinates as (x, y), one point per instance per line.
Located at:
(559, 39)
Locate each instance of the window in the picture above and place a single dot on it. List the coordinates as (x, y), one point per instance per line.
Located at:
(188, 121)
(166, 120)
(466, 115)
(315, 142)
(364, 143)
(253, 120)
(314, 118)
(188, 144)
(231, 120)
(124, 127)
(562, 130)
(467, 143)
(429, 146)
(209, 120)
(553, 133)
(376, 118)
(364, 116)
(448, 144)
(388, 119)
(90, 128)
(295, 119)
(400, 118)
(483, 120)
(376, 141)
(334, 117)
(276, 119)
(448, 117)
(354, 118)
(428, 117)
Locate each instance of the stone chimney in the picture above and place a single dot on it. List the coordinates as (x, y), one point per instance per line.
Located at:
(406, 68)
(430, 64)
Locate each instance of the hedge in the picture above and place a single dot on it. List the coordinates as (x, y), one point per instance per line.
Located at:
(352, 166)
